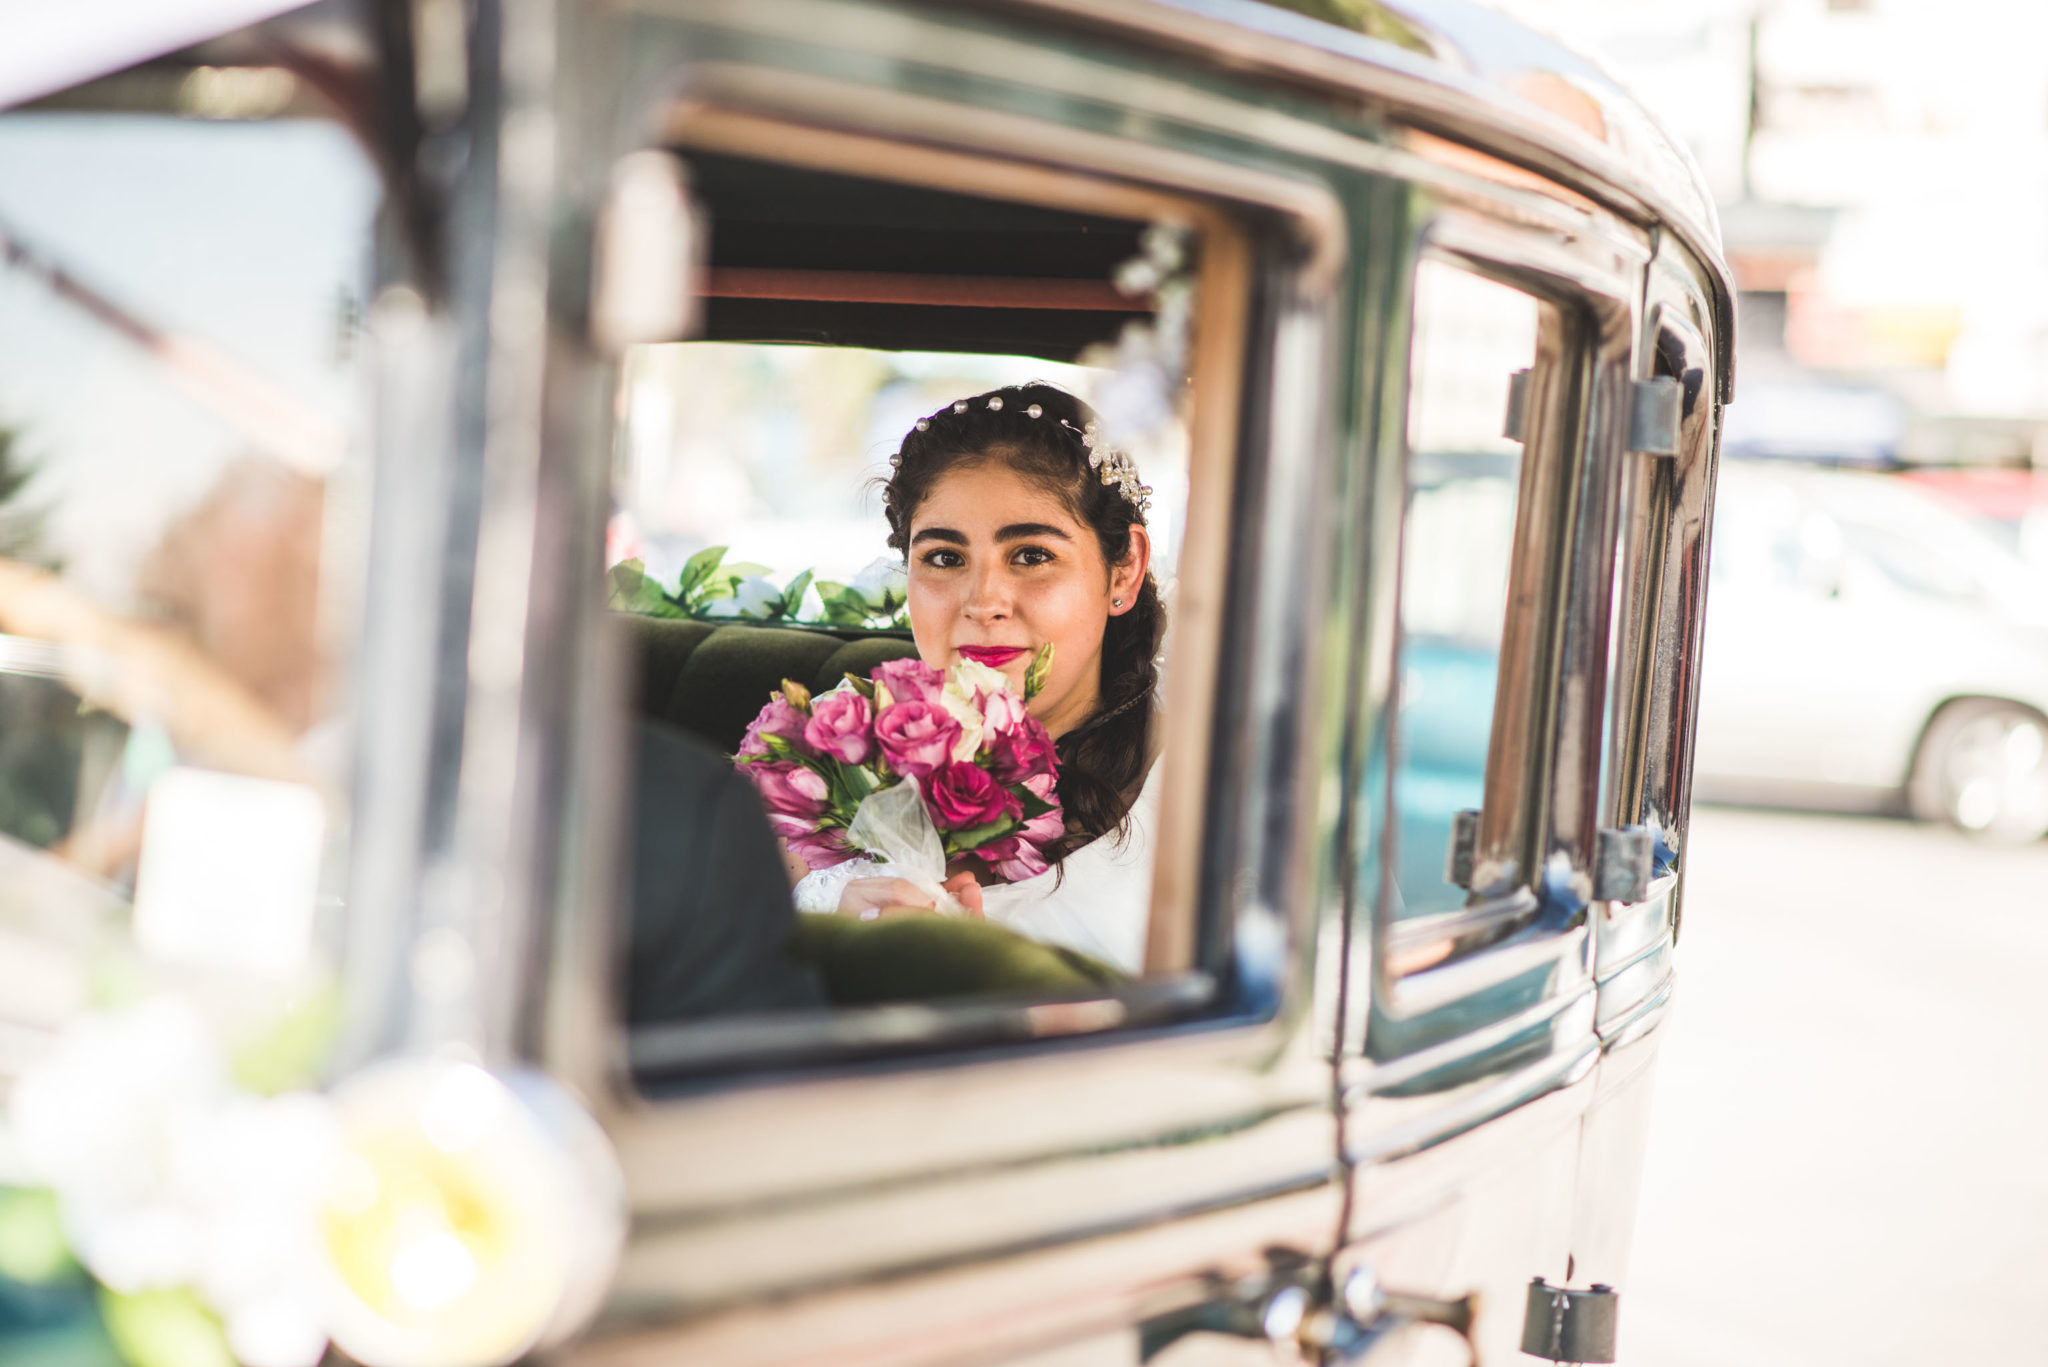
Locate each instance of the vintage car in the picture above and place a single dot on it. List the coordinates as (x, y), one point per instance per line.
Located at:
(447, 418)
(1920, 642)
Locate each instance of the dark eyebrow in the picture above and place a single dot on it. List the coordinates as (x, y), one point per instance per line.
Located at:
(1015, 531)
(1018, 531)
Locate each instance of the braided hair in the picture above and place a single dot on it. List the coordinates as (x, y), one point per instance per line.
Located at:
(1103, 760)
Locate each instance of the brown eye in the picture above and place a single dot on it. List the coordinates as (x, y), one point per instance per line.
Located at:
(1034, 555)
(943, 559)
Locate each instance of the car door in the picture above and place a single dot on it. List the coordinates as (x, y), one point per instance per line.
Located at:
(1471, 1060)
(987, 1176)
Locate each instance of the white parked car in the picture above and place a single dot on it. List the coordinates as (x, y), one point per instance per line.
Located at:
(1868, 648)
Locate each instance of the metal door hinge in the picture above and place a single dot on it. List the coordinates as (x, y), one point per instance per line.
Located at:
(1624, 858)
(1564, 1325)
(1653, 416)
(1517, 416)
(1460, 854)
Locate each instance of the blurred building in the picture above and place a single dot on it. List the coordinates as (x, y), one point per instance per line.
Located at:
(1882, 167)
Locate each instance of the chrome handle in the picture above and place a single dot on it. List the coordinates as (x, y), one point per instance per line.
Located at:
(1361, 1323)
(1300, 1314)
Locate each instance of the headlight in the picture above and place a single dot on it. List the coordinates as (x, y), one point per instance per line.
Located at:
(472, 1216)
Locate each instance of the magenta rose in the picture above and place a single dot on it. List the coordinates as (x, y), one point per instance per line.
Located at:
(1013, 858)
(842, 726)
(778, 718)
(794, 795)
(915, 737)
(1022, 750)
(909, 680)
(961, 796)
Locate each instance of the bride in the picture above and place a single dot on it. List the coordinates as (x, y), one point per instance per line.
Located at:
(1019, 529)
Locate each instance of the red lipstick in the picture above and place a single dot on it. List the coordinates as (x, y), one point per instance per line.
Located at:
(995, 657)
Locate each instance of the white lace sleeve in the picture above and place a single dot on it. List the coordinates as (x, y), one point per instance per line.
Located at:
(818, 890)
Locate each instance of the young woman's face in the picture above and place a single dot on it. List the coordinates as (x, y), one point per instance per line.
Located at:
(998, 568)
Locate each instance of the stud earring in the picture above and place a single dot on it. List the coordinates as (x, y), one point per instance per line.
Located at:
(1116, 602)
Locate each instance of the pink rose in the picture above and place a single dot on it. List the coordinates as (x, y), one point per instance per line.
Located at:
(909, 680)
(842, 726)
(1046, 827)
(916, 737)
(1013, 858)
(778, 718)
(821, 849)
(794, 795)
(1022, 750)
(962, 796)
(1003, 709)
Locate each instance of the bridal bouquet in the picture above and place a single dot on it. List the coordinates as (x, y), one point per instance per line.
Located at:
(913, 768)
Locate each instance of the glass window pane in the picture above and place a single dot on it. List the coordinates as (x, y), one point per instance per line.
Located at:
(1472, 335)
(848, 322)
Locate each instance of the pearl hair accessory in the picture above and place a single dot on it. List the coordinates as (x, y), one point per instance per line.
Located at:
(1115, 468)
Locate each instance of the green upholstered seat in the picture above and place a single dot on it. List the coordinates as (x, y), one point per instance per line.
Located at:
(710, 679)
(927, 958)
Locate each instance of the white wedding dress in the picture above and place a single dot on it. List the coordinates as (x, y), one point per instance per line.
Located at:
(1098, 900)
(1102, 902)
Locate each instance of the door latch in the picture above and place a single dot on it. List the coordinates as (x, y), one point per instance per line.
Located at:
(1564, 1325)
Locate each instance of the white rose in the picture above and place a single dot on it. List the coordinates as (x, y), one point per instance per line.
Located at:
(963, 710)
(970, 677)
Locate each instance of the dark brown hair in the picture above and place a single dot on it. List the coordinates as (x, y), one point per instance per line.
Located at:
(1102, 761)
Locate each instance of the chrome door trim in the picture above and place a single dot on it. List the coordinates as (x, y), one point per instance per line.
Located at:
(1423, 1122)
(1034, 1298)
(1568, 951)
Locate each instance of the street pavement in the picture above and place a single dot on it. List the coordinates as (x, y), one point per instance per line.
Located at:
(1848, 1161)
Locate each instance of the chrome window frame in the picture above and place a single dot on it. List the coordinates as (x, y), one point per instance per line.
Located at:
(1594, 270)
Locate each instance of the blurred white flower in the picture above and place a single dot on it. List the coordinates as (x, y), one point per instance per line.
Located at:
(883, 582)
(756, 597)
(166, 1176)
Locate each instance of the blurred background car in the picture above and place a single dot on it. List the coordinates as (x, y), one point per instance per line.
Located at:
(1871, 649)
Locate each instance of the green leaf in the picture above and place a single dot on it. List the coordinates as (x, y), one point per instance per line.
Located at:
(778, 747)
(864, 687)
(32, 1244)
(974, 837)
(840, 613)
(793, 595)
(627, 576)
(828, 589)
(165, 1329)
(1034, 805)
(698, 568)
(747, 569)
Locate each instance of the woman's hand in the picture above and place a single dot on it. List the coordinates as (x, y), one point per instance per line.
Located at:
(872, 898)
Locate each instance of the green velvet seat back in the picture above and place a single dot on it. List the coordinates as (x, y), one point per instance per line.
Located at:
(710, 679)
